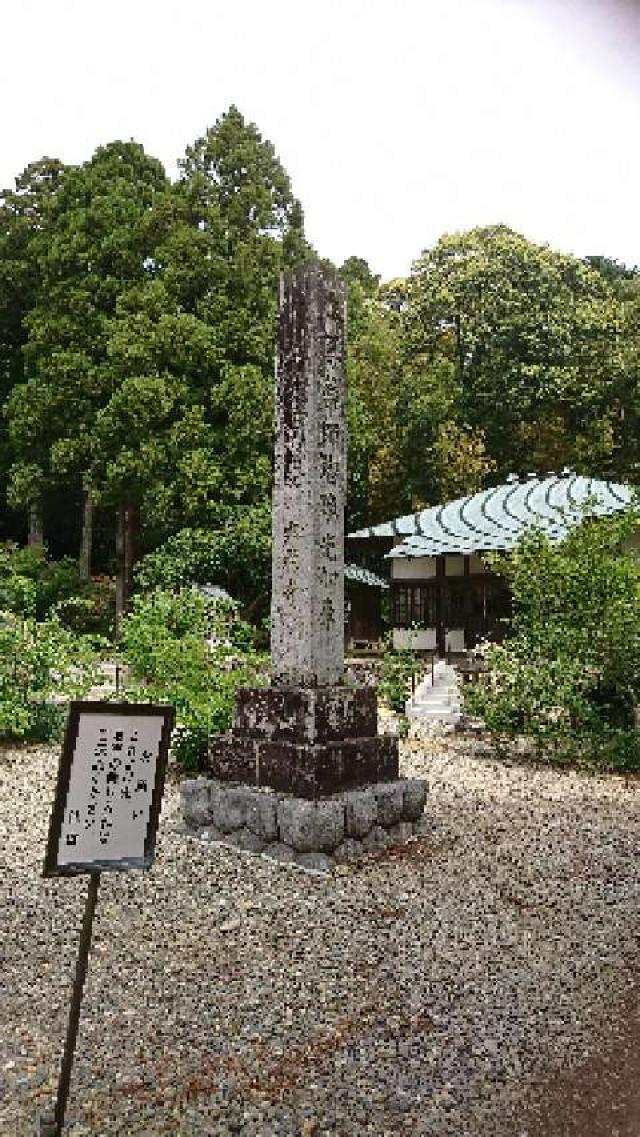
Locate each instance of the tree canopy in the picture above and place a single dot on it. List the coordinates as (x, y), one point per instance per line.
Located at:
(137, 330)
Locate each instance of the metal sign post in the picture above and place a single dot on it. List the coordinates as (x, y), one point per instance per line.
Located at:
(51, 1124)
(105, 817)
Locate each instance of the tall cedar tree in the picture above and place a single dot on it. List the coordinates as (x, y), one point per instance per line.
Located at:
(186, 437)
(22, 218)
(93, 245)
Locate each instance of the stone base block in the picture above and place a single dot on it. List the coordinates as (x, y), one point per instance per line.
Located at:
(314, 834)
(307, 741)
(307, 770)
(305, 714)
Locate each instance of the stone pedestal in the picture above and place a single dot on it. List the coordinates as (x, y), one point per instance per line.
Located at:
(314, 835)
(307, 741)
(308, 738)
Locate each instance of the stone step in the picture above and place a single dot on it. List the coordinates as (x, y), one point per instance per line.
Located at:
(434, 696)
(436, 699)
(436, 717)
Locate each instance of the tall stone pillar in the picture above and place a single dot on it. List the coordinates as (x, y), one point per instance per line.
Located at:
(308, 734)
(307, 605)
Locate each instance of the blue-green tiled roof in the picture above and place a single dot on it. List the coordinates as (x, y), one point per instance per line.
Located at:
(214, 592)
(364, 576)
(494, 519)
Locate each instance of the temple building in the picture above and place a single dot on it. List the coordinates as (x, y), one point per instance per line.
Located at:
(443, 598)
(363, 623)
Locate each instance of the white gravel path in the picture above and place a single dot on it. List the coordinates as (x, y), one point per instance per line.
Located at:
(424, 992)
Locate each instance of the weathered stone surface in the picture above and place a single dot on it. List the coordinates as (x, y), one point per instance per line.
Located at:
(280, 852)
(245, 839)
(311, 826)
(308, 735)
(348, 850)
(376, 840)
(346, 825)
(360, 812)
(231, 806)
(211, 834)
(310, 771)
(262, 815)
(305, 714)
(301, 770)
(307, 604)
(401, 832)
(415, 796)
(306, 770)
(232, 759)
(195, 797)
(389, 800)
(318, 862)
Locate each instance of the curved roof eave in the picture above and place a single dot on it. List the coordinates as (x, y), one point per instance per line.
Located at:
(494, 519)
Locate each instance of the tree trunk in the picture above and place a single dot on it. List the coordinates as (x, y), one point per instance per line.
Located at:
(120, 568)
(87, 539)
(132, 546)
(459, 349)
(127, 556)
(36, 532)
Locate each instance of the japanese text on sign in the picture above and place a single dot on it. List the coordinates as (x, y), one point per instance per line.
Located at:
(111, 784)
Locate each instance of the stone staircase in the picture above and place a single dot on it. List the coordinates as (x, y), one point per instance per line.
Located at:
(438, 701)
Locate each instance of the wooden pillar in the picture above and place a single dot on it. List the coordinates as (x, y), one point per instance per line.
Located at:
(441, 632)
(467, 604)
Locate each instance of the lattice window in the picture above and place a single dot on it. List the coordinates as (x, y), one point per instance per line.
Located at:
(414, 605)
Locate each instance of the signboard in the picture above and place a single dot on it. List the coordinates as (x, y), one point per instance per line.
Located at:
(105, 817)
(109, 789)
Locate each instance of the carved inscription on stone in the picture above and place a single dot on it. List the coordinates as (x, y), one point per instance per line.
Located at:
(309, 481)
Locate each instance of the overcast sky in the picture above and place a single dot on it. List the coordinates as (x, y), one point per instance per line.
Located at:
(397, 120)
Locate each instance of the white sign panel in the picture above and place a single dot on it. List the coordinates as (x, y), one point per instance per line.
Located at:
(109, 787)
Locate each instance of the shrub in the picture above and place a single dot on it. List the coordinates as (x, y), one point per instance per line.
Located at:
(399, 665)
(236, 556)
(42, 665)
(30, 584)
(164, 641)
(568, 676)
(91, 611)
(18, 594)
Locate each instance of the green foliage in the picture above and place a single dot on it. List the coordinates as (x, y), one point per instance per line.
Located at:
(164, 641)
(92, 243)
(534, 336)
(22, 211)
(568, 676)
(399, 666)
(374, 443)
(137, 324)
(31, 584)
(42, 665)
(91, 612)
(236, 555)
(461, 462)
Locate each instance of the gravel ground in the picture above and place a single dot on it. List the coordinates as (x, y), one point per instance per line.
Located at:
(436, 989)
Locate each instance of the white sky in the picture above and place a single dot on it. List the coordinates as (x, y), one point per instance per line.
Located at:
(397, 120)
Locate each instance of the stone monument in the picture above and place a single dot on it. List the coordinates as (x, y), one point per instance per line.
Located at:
(308, 737)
